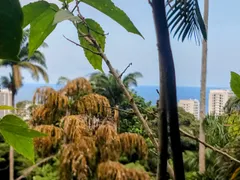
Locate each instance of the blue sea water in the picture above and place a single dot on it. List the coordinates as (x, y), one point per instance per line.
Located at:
(147, 92)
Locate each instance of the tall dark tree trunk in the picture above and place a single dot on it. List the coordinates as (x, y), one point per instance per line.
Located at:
(168, 91)
(202, 163)
(11, 151)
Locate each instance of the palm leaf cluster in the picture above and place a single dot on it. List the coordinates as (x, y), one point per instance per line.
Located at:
(107, 85)
(220, 134)
(86, 151)
(82, 132)
(74, 98)
(185, 19)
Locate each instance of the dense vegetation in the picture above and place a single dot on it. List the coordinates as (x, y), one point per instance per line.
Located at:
(100, 128)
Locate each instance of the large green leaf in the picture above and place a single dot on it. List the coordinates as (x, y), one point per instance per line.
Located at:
(11, 19)
(32, 11)
(16, 132)
(41, 27)
(235, 83)
(63, 15)
(98, 33)
(107, 7)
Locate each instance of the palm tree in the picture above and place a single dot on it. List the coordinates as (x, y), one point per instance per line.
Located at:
(202, 163)
(185, 17)
(36, 65)
(107, 86)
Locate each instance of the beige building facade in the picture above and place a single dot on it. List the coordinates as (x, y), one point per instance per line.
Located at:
(5, 99)
(217, 100)
(191, 106)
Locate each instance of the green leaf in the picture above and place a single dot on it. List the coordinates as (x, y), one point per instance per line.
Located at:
(41, 27)
(67, 1)
(235, 83)
(11, 19)
(3, 107)
(62, 15)
(16, 132)
(98, 33)
(32, 11)
(107, 7)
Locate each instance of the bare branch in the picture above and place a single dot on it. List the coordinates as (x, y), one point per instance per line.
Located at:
(124, 70)
(75, 6)
(82, 46)
(30, 169)
(209, 146)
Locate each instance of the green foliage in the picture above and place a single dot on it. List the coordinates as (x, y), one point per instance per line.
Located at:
(63, 15)
(235, 83)
(16, 132)
(66, 1)
(41, 27)
(41, 15)
(232, 105)
(33, 10)
(47, 172)
(135, 165)
(107, 7)
(233, 123)
(216, 131)
(43, 18)
(107, 86)
(10, 29)
(98, 33)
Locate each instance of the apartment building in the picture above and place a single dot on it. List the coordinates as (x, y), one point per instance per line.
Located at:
(217, 100)
(191, 106)
(5, 99)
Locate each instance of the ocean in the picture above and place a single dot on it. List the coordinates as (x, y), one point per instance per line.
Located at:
(147, 92)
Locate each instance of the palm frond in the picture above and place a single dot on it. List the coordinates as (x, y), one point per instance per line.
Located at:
(62, 80)
(42, 72)
(184, 17)
(131, 79)
(31, 68)
(38, 58)
(5, 82)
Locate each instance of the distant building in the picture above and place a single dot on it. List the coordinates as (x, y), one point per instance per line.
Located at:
(191, 106)
(5, 99)
(217, 100)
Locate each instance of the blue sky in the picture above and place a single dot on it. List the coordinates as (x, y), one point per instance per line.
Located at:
(66, 59)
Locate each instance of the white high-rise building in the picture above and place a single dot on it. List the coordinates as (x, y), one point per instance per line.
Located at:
(217, 100)
(191, 106)
(5, 99)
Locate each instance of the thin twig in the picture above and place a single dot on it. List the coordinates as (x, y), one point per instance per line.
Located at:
(209, 146)
(124, 70)
(97, 53)
(150, 2)
(75, 6)
(30, 169)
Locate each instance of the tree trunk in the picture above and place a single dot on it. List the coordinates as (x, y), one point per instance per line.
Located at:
(168, 87)
(202, 165)
(11, 151)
